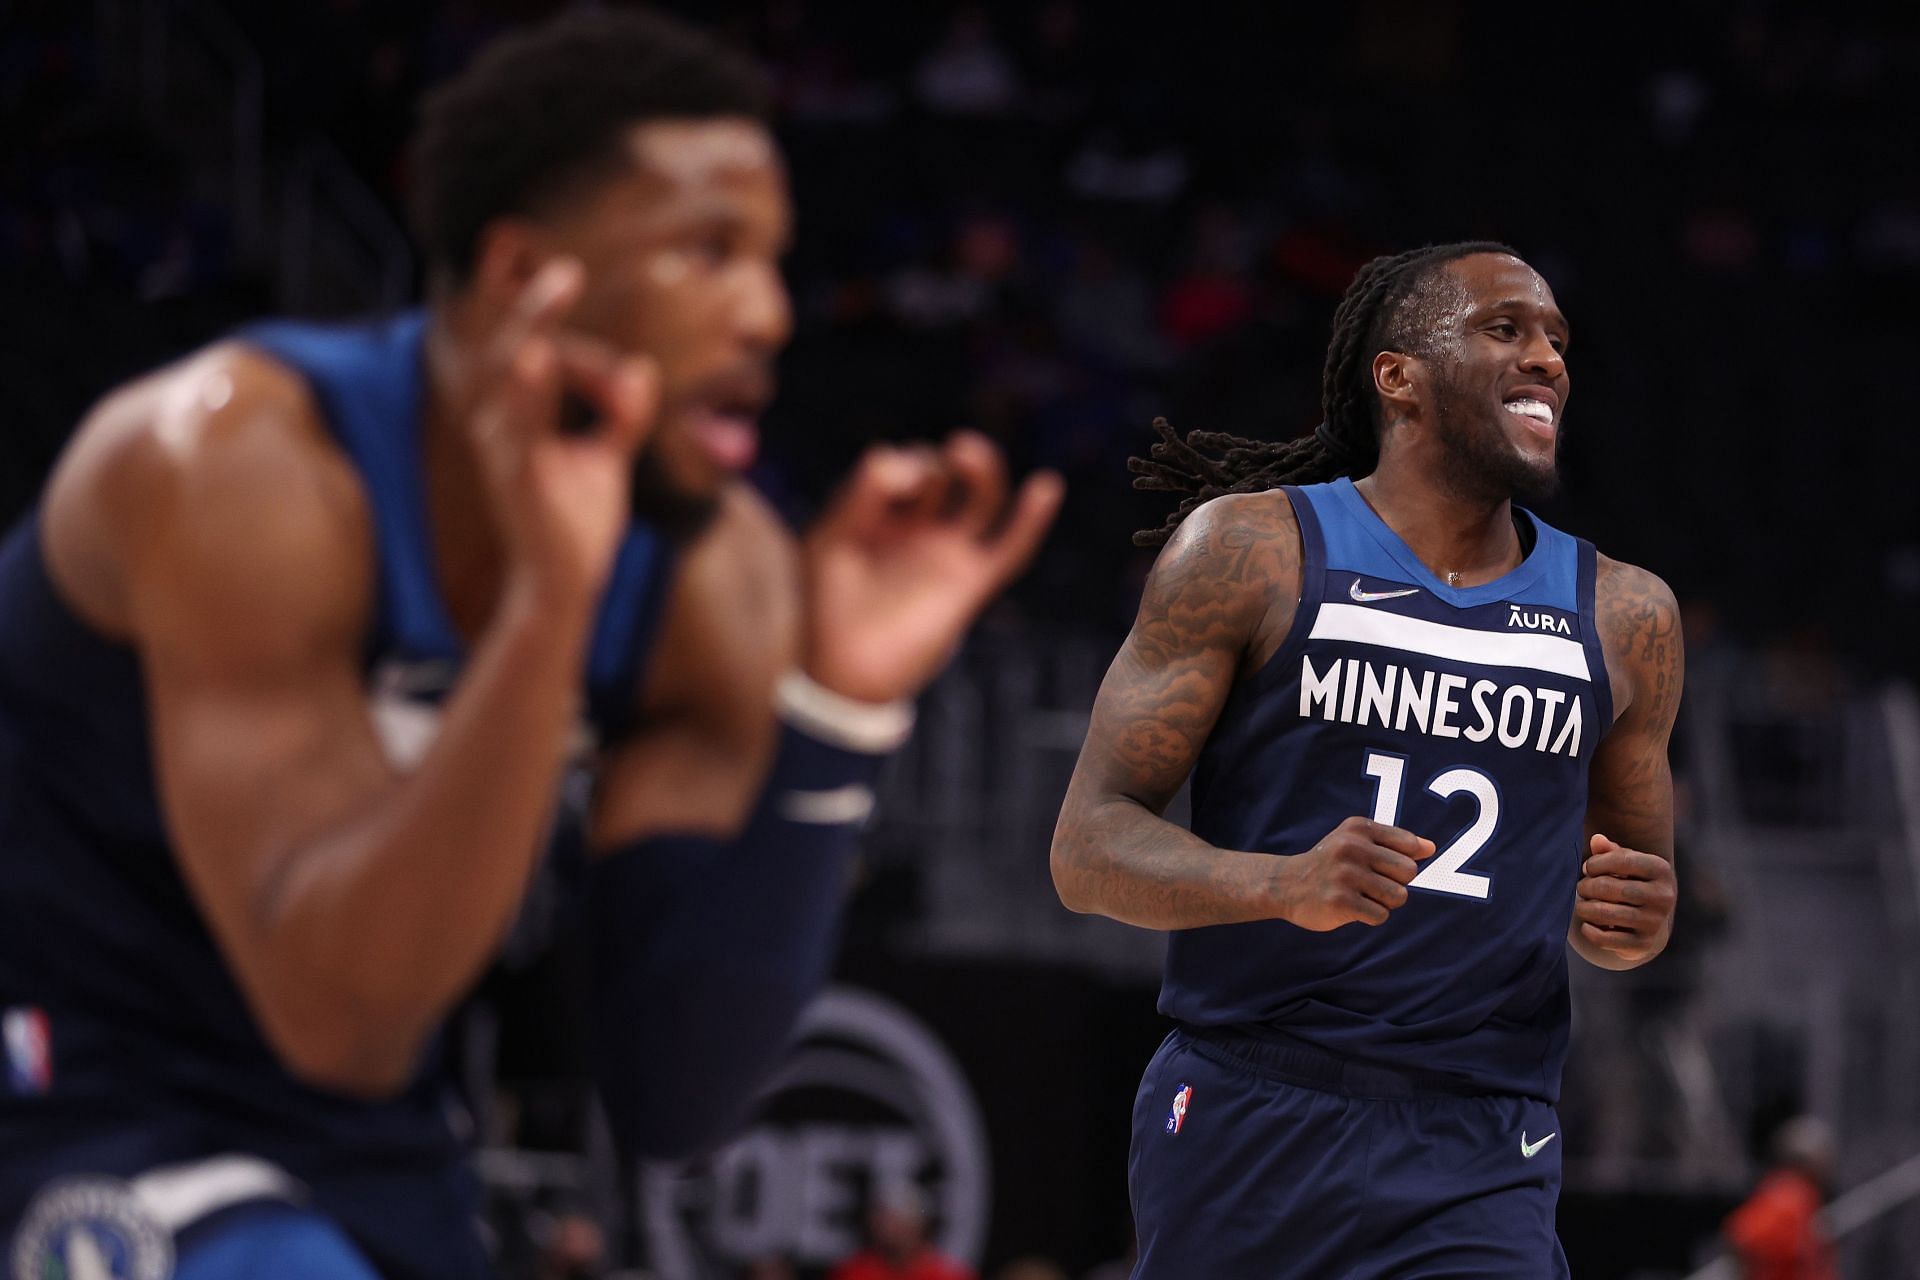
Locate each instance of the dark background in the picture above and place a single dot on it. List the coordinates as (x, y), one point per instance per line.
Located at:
(1054, 221)
(1141, 211)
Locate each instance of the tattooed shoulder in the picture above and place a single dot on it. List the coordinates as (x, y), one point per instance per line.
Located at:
(1225, 570)
(1640, 635)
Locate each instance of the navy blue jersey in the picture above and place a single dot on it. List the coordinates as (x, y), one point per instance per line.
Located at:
(128, 1044)
(1467, 715)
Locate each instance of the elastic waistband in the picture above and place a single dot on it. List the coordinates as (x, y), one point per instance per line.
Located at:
(1276, 1054)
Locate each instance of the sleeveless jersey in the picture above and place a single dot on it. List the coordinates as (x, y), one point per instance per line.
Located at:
(1466, 715)
(128, 1044)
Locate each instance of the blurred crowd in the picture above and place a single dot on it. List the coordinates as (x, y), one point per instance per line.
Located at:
(1054, 221)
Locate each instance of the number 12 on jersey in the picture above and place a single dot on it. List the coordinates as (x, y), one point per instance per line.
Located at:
(1443, 874)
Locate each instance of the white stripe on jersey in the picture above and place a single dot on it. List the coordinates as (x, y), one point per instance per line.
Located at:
(1439, 640)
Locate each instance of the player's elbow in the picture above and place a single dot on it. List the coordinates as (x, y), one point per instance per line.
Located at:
(1071, 879)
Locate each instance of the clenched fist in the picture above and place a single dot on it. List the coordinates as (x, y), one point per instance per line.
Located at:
(1359, 872)
(1625, 902)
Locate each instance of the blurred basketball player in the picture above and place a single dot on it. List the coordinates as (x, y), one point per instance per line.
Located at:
(1415, 693)
(320, 639)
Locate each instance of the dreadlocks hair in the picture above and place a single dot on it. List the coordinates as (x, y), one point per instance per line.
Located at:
(545, 110)
(1374, 315)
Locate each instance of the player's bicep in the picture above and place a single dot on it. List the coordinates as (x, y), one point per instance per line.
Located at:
(1154, 711)
(251, 767)
(1208, 595)
(247, 593)
(1630, 782)
(1630, 792)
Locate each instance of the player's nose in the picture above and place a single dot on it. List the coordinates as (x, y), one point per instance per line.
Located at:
(1542, 357)
(763, 318)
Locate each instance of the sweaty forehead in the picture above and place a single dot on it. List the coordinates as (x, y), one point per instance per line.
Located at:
(1490, 278)
(690, 156)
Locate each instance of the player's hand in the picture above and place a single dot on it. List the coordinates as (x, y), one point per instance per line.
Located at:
(560, 497)
(917, 543)
(1359, 873)
(1625, 900)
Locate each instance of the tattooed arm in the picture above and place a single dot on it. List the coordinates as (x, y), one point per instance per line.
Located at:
(1220, 599)
(1623, 915)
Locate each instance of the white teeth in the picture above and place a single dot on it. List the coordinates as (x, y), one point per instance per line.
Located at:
(1538, 410)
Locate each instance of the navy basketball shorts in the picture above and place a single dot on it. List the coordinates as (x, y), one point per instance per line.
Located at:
(1256, 1159)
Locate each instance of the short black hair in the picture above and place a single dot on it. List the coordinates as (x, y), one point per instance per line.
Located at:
(543, 109)
(1390, 306)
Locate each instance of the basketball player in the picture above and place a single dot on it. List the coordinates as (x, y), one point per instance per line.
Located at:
(322, 638)
(1428, 738)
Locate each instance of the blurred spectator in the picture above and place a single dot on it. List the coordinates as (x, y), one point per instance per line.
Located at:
(1128, 192)
(1211, 298)
(1776, 1234)
(898, 1248)
(816, 76)
(768, 1268)
(967, 74)
(928, 297)
(1108, 168)
(982, 255)
(574, 1248)
(1061, 69)
(1105, 311)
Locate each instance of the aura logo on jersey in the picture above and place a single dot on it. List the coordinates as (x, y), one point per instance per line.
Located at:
(868, 1099)
(1538, 620)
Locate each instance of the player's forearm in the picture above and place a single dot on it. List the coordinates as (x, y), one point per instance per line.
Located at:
(706, 951)
(1114, 857)
(379, 927)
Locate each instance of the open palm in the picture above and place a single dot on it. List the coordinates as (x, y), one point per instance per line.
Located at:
(917, 544)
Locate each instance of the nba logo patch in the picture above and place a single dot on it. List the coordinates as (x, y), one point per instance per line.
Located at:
(29, 1049)
(1181, 1101)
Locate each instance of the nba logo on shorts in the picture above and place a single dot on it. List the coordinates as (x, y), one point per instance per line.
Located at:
(1178, 1116)
(29, 1049)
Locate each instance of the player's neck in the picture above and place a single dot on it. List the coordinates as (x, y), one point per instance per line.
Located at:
(1465, 541)
(466, 548)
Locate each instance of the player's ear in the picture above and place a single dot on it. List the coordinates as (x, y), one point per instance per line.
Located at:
(507, 255)
(1396, 378)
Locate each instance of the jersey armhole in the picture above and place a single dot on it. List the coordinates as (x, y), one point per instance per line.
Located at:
(1313, 562)
(368, 383)
(1588, 577)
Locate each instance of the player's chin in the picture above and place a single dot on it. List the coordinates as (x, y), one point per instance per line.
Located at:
(677, 491)
(1535, 474)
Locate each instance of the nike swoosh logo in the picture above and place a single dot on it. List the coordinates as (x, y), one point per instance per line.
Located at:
(1365, 597)
(1532, 1149)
